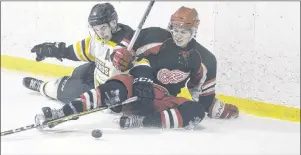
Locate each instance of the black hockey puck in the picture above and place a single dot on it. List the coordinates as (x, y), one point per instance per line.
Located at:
(96, 133)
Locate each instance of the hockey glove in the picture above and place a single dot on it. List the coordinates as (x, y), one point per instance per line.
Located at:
(143, 89)
(122, 59)
(222, 110)
(44, 50)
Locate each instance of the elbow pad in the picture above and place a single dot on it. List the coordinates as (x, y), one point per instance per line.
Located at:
(142, 71)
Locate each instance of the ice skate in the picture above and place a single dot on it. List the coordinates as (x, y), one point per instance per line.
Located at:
(131, 121)
(48, 115)
(32, 83)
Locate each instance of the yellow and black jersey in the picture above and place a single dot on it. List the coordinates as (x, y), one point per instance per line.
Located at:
(84, 50)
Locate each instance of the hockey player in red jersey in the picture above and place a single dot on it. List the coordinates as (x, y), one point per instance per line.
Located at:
(180, 63)
(96, 50)
(168, 65)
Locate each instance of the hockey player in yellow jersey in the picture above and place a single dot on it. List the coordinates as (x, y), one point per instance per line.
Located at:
(97, 50)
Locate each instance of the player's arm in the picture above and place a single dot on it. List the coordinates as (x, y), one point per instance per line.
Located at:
(142, 68)
(147, 43)
(202, 85)
(202, 80)
(150, 40)
(197, 78)
(80, 51)
(215, 108)
(121, 58)
(143, 76)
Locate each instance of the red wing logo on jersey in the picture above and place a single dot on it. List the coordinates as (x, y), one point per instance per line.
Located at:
(171, 76)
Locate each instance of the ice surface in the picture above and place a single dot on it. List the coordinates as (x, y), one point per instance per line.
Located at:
(245, 135)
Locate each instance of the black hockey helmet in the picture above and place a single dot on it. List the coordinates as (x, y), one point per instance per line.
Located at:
(102, 13)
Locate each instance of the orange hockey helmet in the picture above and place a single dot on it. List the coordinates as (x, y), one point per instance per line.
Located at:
(186, 18)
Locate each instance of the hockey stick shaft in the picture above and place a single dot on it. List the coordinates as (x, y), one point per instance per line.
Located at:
(142, 21)
(65, 119)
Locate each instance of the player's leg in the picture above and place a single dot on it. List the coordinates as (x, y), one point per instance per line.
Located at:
(113, 92)
(85, 72)
(186, 115)
(220, 110)
(65, 88)
(171, 112)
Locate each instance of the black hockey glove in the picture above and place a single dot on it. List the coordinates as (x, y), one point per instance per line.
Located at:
(143, 89)
(44, 50)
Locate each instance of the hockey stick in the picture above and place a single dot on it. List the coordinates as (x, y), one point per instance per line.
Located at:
(65, 119)
(135, 36)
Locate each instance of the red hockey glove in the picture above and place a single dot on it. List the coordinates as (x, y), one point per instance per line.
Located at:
(221, 110)
(122, 59)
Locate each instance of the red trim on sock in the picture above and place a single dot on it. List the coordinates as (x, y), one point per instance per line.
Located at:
(179, 116)
(98, 102)
(163, 119)
(84, 103)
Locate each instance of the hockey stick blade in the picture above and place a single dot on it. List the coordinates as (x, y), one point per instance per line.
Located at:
(65, 119)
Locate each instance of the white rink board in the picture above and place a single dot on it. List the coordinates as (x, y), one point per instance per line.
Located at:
(256, 43)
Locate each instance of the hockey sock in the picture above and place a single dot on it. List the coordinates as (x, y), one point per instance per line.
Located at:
(86, 101)
(185, 114)
(170, 118)
(108, 94)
